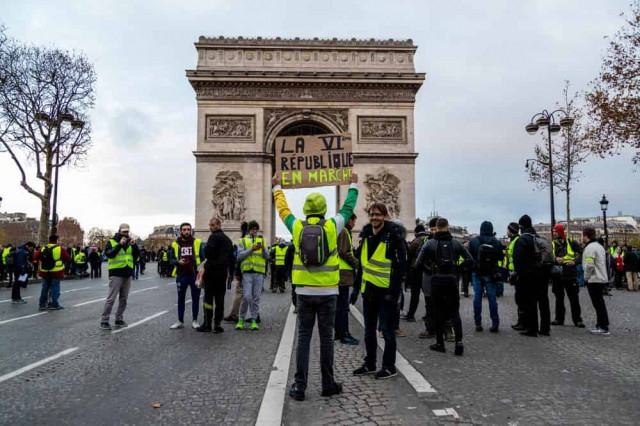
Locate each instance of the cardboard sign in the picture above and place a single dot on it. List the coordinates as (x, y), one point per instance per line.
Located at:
(310, 161)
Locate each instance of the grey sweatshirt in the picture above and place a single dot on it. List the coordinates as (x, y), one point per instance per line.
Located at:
(594, 263)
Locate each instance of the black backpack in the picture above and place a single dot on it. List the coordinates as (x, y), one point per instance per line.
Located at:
(445, 258)
(314, 245)
(487, 259)
(47, 262)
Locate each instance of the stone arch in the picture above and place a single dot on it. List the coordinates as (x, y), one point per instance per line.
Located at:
(297, 116)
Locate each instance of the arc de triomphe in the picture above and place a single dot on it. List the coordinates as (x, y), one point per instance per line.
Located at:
(251, 90)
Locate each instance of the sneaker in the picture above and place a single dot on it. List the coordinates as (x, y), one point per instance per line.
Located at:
(203, 328)
(296, 393)
(121, 324)
(42, 308)
(258, 320)
(459, 350)
(426, 335)
(364, 370)
(194, 324)
(599, 332)
(105, 325)
(518, 327)
(349, 340)
(230, 319)
(56, 308)
(177, 325)
(254, 325)
(494, 329)
(335, 390)
(529, 333)
(240, 324)
(479, 328)
(18, 301)
(438, 348)
(217, 329)
(385, 373)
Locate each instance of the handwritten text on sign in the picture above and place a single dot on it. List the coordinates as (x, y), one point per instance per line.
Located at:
(309, 161)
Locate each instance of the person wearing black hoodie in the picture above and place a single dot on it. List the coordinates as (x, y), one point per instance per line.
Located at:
(485, 280)
(383, 260)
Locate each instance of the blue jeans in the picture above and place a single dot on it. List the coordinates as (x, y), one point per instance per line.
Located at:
(183, 284)
(479, 284)
(53, 285)
(136, 271)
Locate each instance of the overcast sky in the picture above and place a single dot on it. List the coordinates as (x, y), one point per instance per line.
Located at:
(490, 66)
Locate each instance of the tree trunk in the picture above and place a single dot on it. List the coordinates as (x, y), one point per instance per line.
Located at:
(45, 209)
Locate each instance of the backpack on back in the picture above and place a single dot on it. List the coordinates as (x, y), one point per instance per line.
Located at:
(445, 258)
(487, 259)
(543, 250)
(47, 262)
(314, 245)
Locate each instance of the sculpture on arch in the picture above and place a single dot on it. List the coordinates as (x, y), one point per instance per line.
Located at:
(229, 196)
(384, 187)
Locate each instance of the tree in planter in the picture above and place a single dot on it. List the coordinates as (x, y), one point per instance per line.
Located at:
(568, 152)
(45, 97)
(614, 100)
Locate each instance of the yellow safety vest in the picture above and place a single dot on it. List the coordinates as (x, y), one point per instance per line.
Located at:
(56, 250)
(80, 258)
(327, 275)
(281, 254)
(122, 259)
(344, 266)
(376, 270)
(569, 257)
(165, 256)
(512, 244)
(196, 247)
(255, 262)
(5, 253)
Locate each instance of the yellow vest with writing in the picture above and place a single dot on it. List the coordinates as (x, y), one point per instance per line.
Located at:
(196, 255)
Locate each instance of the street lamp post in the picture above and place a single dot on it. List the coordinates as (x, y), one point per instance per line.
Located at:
(57, 123)
(604, 204)
(547, 119)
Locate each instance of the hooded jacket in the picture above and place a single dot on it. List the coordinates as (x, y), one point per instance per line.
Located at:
(486, 237)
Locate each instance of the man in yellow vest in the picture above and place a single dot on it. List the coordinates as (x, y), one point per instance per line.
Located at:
(279, 253)
(120, 264)
(568, 254)
(513, 229)
(185, 255)
(253, 255)
(316, 274)
(51, 258)
(348, 265)
(383, 265)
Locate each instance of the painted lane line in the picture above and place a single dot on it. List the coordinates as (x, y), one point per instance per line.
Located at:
(36, 364)
(412, 375)
(139, 322)
(75, 289)
(447, 412)
(273, 400)
(143, 289)
(89, 302)
(9, 300)
(19, 318)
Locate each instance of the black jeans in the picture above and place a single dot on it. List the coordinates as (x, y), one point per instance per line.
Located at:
(465, 281)
(597, 298)
(310, 308)
(279, 276)
(446, 304)
(342, 312)
(415, 285)
(535, 296)
(15, 287)
(215, 286)
(571, 287)
(375, 306)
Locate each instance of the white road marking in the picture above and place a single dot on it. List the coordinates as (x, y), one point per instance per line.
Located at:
(19, 318)
(9, 300)
(89, 302)
(36, 364)
(273, 400)
(417, 380)
(75, 289)
(447, 412)
(143, 289)
(139, 322)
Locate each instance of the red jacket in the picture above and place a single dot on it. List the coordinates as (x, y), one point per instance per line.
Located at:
(60, 274)
(619, 263)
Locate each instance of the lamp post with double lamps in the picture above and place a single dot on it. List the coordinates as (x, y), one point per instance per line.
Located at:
(604, 204)
(55, 123)
(548, 120)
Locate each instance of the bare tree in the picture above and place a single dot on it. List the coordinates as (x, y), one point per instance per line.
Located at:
(40, 90)
(568, 151)
(70, 231)
(614, 100)
(98, 237)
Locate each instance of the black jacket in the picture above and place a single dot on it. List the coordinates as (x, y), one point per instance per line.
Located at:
(219, 250)
(111, 251)
(393, 234)
(524, 255)
(486, 237)
(560, 250)
(430, 255)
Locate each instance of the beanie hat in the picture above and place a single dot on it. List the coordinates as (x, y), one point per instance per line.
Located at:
(433, 221)
(525, 222)
(513, 227)
(560, 230)
(253, 224)
(315, 204)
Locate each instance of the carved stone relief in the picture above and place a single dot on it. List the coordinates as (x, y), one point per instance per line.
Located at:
(382, 129)
(229, 196)
(383, 187)
(225, 128)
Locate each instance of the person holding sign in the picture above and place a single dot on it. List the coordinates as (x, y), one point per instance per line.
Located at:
(316, 274)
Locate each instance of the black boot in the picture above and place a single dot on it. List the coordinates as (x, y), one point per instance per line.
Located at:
(206, 325)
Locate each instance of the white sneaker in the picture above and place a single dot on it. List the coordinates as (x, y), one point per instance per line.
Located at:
(177, 326)
(599, 332)
(195, 324)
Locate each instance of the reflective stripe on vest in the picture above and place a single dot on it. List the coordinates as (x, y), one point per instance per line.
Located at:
(56, 250)
(569, 257)
(80, 258)
(122, 259)
(196, 247)
(255, 262)
(326, 275)
(510, 252)
(376, 270)
(281, 254)
(344, 266)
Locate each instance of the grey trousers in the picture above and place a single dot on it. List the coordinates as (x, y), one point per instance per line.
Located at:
(252, 283)
(118, 286)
